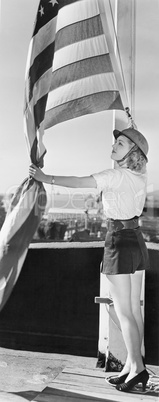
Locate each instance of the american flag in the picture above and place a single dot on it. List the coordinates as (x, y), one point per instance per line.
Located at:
(69, 70)
(69, 73)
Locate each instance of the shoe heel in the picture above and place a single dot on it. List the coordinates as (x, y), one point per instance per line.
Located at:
(144, 386)
(144, 382)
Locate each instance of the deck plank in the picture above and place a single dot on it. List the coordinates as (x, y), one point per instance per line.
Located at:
(80, 385)
(87, 372)
(50, 394)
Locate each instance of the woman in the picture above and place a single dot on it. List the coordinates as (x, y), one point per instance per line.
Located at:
(125, 254)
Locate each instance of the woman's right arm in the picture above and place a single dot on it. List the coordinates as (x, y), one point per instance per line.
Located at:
(64, 181)
(74, 181)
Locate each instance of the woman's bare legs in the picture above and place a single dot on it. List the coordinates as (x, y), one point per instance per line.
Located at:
(136, 284)
(120, 289)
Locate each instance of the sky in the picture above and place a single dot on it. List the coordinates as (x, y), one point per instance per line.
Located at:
(80, 146)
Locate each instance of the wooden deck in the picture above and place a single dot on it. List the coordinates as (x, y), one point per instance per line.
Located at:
(80, 385)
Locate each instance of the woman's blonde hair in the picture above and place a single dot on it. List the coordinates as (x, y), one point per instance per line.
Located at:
(136, 161)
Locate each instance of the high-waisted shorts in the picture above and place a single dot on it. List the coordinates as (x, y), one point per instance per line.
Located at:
(125, 252)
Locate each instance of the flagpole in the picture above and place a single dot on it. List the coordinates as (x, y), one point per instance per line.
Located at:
(126, 34)
(133, 58)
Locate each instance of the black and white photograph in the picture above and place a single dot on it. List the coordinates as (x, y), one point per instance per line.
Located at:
(79, 200)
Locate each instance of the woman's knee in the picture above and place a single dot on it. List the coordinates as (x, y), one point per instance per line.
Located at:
(123, 309)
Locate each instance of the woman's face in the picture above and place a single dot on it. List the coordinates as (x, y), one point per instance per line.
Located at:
(120, 148)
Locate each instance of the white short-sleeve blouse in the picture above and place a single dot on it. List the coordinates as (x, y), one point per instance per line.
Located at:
(123, 192)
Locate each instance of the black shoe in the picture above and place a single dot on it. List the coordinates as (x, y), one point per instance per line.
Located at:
(142, 377)
(116, 380)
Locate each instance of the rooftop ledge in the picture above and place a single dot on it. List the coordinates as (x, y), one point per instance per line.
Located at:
(90, 244)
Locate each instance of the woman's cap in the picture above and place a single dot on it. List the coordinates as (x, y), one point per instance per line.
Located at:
(136, 137)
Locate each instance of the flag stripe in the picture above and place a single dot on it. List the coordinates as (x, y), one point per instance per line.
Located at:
(15, 239)
(81, 50)
(80, 88)
(76, 12)
(39, 109)
(20, 211)
(39, 42)
(33, 152)
(81, 69)
(40, 89)
(106, 100)
(9, 277)
(29, 127)
(78, 31)
(39, 68)
(12, 261)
